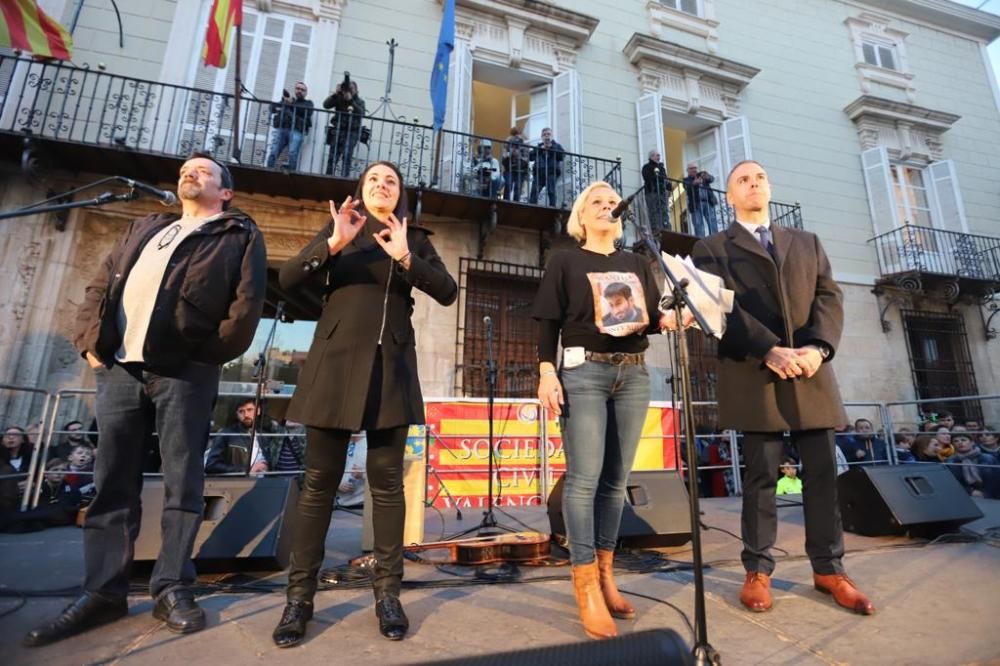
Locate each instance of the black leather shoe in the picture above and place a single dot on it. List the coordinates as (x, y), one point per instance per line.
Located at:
(291, 628)
(178, 609)
(392, 621)
(87, 612)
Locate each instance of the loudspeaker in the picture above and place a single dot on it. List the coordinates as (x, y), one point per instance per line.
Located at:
(656, 512)
(653, 647)
(923, 500)
(247, 524)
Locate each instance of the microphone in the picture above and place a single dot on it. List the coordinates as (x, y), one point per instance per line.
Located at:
(166, 198)
(488, 321)
(623, 205)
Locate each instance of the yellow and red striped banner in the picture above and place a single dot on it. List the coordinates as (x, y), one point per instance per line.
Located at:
(224, 15)
(458, 450)
(25, 26)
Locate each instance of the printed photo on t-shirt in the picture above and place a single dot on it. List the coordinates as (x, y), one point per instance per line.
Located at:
(619, 303)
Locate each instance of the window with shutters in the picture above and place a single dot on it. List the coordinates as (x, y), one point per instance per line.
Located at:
(880, 53)
(687, 6)
(275, 56)
(696, 17)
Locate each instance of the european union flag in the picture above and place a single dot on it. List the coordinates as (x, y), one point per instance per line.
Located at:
(439, 74)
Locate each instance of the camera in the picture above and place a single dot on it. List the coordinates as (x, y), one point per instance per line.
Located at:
(346, 83)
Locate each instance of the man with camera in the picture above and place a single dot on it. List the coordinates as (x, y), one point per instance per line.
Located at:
(486, 177)
(515, 165)
(345, 125)
(291, 120)
(701, 200)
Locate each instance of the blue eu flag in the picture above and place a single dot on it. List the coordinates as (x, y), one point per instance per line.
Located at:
(439, 74)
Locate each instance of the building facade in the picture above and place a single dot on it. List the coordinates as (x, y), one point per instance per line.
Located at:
(878, 122)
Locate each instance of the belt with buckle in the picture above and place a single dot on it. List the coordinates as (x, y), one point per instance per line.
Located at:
(616, 358)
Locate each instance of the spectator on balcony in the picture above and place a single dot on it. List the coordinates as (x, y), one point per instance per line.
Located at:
(515, 165)
(988, 442)
(945, 448)
(72, 435)
(904, 444)
(233, 451)
(547, 158)
(701, 200)
(970, 465)
(17, 449)
(925, 449)
(80, 471)
(291, 119)
(345, 125)
(946, 419)
(790, 483)
(656, 192)
(485, 179)
(866, 447)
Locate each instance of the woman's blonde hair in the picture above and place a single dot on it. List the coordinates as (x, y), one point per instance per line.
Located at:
(573, 226)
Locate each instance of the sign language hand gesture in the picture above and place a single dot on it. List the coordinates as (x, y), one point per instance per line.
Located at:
(393, 239)
(347, 222)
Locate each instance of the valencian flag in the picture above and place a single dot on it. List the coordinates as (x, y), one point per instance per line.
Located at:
(224, 15)
(25, 26)
(439, 74)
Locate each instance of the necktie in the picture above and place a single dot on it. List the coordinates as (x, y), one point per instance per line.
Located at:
(764, 237)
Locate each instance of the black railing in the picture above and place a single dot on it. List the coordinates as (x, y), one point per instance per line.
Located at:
(57, 101)
(700, 211)
(910, 248)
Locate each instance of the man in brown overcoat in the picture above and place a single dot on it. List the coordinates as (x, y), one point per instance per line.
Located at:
(775, 377)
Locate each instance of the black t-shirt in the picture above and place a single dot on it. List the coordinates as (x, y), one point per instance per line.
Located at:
(602, 303)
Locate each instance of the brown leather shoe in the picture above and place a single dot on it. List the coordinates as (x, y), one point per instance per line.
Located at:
(756, 593)
(597, 622)
(617, 605)
(844, 592)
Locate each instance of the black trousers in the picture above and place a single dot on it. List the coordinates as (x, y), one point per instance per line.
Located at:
(763, 453)
(326, 457)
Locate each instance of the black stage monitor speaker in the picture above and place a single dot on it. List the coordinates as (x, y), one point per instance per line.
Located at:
(247, 525)
(923, 500)
(656, 512)
(653, 647)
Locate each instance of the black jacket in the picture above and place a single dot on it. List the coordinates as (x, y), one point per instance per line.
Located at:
(654, 178)
(366, 296)
(296, 115)
(209, 303)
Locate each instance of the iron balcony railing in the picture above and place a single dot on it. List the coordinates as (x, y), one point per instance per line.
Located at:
(910, 248)
(53, 100)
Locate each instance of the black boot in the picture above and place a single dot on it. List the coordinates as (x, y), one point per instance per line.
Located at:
(87, 612)
(392, 621)
(178, 609)
(291, 628)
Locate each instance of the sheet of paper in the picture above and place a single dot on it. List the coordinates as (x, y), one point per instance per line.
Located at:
(704, 290)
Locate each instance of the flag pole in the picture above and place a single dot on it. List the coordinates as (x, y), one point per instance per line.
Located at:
(238, 85)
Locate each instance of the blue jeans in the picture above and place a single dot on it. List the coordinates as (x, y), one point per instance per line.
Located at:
(285, 136)
(130, 402)
(703, 212)
(602, 420)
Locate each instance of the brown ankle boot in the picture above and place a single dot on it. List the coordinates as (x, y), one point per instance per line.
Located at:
(597, 622)
(616, 603)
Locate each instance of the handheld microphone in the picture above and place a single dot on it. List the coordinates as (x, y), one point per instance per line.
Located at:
(166, 198)
(488, 320)
(623, 205)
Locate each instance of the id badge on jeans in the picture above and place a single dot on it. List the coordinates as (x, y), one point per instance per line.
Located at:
(573, 356)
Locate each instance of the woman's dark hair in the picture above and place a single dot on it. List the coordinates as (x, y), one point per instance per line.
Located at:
(402, 206)
(23, 450)
(919, 447)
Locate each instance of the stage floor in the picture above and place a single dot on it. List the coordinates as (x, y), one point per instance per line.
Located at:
(937, 603)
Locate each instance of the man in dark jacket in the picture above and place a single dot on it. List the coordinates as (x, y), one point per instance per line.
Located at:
(775, 376)
(291, 120)
(233, 451)
(345, 126)
(701, 200)
(547, 158)
(656, 190)
(177, 297)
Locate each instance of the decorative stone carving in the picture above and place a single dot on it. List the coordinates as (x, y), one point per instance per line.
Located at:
(907, 131)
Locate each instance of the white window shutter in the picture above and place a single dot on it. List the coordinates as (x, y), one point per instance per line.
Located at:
(881, 197)
(946, 198)
(650, 126)
(735, 144)
(567, 116)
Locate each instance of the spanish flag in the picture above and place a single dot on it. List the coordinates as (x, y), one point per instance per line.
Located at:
(224, 15)
(26, 27)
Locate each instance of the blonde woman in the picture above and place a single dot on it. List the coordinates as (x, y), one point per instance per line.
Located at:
(602, 302)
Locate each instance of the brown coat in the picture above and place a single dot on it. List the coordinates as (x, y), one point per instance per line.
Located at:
(792, 303)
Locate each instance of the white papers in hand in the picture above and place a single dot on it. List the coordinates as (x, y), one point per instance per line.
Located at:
(704, 290)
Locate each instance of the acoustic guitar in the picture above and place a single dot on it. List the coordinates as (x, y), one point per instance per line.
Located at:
(518, 547)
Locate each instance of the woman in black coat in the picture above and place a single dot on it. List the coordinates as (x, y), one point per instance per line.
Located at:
(360, 374)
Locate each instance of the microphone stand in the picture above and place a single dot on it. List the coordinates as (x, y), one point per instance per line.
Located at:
(703, 652)
(260, 375)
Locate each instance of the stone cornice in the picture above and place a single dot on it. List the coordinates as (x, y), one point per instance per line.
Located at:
(330, 10)
(871, 107)
(643, 50)
(950, 15)
(539, 15)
